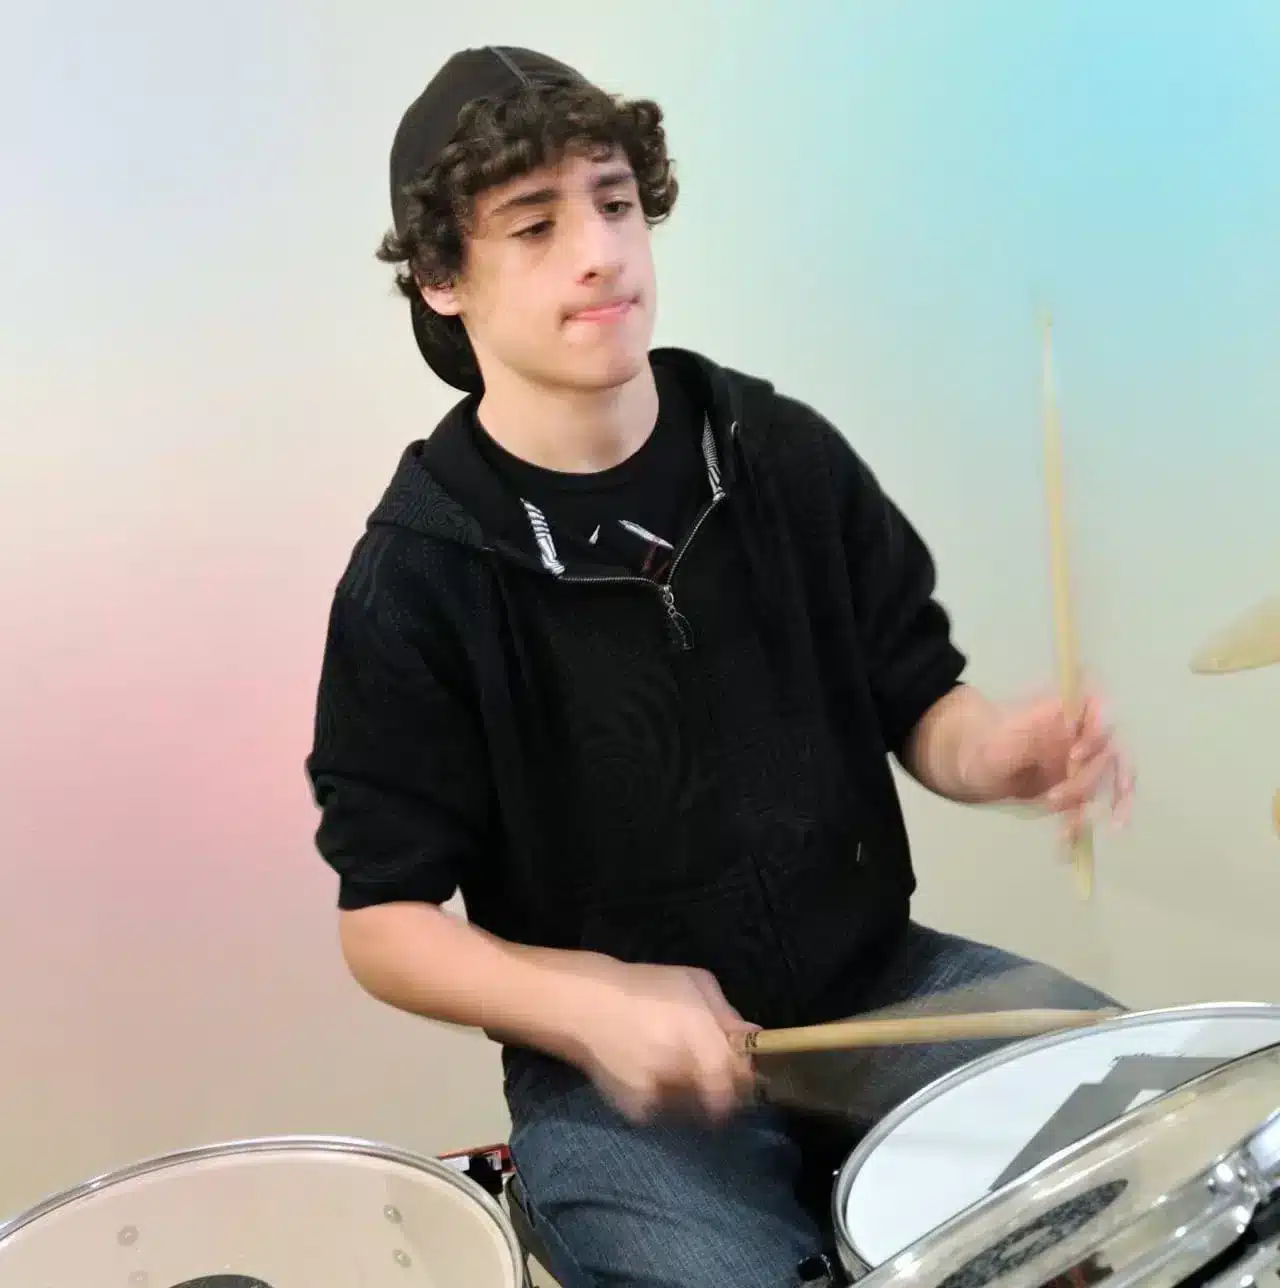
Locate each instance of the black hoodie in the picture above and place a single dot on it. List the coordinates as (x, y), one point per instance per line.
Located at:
(693, 773)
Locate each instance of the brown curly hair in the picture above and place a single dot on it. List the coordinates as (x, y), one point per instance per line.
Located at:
(496, 140)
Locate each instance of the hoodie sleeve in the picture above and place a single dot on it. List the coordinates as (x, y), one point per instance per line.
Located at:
(906, 633)
(396, 765)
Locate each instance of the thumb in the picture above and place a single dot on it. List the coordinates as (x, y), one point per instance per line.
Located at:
(725, 1014)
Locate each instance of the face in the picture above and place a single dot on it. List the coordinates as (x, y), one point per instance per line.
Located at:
(557, 288)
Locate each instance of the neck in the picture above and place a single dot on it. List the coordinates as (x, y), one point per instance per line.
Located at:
(571, 431)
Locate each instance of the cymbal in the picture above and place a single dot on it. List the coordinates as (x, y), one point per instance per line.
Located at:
(1250, 641)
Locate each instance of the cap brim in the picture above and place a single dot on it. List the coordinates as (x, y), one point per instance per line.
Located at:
(453, 371)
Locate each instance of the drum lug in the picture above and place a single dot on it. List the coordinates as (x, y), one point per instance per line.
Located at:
(815, 1272)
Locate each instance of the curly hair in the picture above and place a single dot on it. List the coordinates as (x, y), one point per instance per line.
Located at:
(496, 140)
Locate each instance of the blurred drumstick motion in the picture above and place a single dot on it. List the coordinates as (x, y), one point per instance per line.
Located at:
(1009, 990)
(847, 1035)
(1060, 579)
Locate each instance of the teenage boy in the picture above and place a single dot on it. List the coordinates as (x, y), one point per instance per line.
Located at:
(622, 657)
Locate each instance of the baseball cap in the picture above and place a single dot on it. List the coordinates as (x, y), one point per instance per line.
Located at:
(424, 130)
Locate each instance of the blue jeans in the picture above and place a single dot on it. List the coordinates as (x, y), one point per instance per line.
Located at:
(677, 1204)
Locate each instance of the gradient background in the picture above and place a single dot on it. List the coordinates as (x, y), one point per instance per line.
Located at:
(205, 381)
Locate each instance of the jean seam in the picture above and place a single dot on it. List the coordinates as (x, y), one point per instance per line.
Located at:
(550, 1236)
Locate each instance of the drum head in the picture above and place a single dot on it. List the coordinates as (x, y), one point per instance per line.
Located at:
(283, 1213)
(983, 1125)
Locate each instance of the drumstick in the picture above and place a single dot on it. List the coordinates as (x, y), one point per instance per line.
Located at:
(844, 1035)
(1059, 573)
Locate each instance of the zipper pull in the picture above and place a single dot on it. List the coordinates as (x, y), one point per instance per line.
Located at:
(681, 631)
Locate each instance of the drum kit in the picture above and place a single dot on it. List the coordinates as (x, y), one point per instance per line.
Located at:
(1139, 1152)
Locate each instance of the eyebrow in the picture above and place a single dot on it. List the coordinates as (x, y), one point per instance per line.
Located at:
(540, 196)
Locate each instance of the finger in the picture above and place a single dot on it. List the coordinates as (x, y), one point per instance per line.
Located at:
(1073, 826)
(717, 1087)
(1122, 790)
(1081, 786)
(636, 1103)
(730, 1072)
(740, 1073)
(1093, 738)
(742, 1064)
(728, 1018)
(744, 1077)
(1092, 712)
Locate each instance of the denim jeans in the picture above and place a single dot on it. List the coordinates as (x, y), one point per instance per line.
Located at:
(679, 1204)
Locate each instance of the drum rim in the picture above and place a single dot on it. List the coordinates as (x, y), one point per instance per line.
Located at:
(850, 1253)
(349, 1145)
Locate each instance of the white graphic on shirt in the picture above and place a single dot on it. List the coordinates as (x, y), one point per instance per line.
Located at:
(542, 529)
(542, 535)
(644, 534)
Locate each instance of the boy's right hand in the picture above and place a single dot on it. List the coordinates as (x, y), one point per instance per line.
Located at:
(656, 1037)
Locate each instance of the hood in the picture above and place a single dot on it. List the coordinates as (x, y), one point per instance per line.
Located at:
(443, 488)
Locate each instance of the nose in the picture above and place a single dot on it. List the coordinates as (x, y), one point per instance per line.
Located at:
(598, 249)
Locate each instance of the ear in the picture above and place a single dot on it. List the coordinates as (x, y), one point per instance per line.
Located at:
(444, 300)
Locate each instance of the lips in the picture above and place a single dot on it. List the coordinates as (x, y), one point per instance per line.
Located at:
(610, 312)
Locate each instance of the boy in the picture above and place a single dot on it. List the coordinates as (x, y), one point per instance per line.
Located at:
(622, 656)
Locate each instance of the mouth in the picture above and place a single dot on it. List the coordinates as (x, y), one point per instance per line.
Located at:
(613, 311)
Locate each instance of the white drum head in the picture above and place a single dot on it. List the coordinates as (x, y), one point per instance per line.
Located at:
(977, 1128)
(294, 1212)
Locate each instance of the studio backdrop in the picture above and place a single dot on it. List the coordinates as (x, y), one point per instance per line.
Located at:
(206, 379)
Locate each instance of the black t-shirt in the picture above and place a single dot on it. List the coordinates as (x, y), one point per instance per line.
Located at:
(635, 514)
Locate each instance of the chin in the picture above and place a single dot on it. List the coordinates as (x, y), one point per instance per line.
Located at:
(606, 371)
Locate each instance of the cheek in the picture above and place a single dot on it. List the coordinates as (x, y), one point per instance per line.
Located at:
(640, 256)
(528, 319)
(512, 308)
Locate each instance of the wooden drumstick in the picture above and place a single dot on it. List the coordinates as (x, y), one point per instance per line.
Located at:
(844, 1035)
(1060, 579)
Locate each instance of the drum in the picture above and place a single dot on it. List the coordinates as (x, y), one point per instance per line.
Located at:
(1182, 1191)
(993, 1127)
(284, 1212)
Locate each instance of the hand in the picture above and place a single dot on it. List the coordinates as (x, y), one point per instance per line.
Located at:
(658, 1036)
(1033, 752)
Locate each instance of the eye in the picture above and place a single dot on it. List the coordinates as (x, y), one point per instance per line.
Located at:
(533, 231)
(620, 206)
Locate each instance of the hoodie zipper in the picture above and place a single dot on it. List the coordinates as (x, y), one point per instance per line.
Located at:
(677, 623)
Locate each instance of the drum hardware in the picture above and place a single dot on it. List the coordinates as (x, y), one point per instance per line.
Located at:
(216, 1281)
(490, 1166)
(816, 1272)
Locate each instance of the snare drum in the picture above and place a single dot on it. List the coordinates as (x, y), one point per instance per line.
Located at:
(284, 1212)
(977, 1129)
